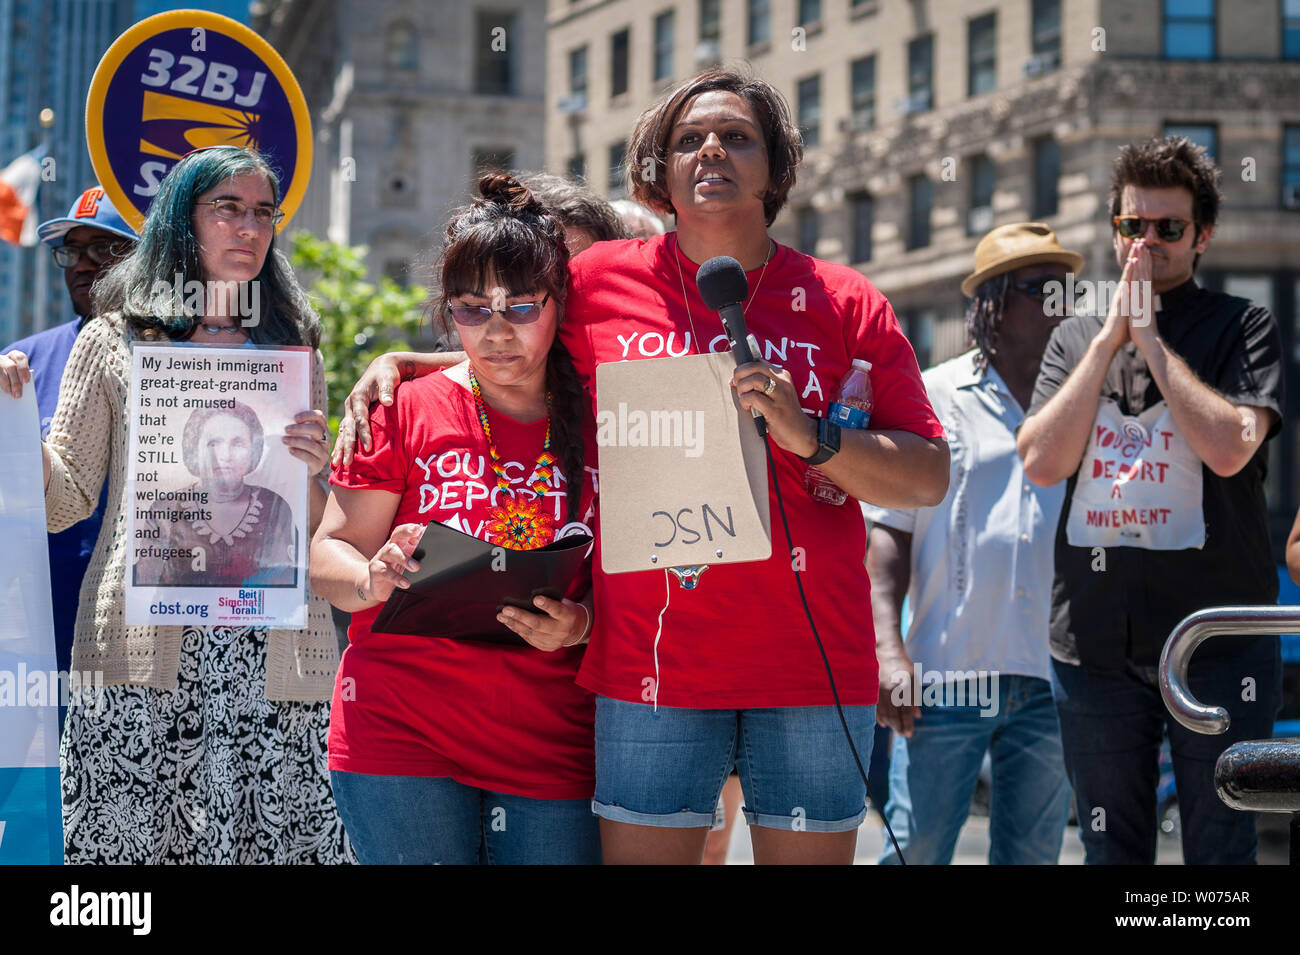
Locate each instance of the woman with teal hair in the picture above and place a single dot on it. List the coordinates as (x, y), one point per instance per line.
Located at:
(205, 744)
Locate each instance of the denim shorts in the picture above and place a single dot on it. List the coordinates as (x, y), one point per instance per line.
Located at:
(421, 820)
(667, 768)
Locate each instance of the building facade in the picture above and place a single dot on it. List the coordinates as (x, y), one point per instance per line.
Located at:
(48, 52)
(928, 122)
(409, 100)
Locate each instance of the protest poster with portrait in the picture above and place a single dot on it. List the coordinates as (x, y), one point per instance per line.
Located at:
(217, 506)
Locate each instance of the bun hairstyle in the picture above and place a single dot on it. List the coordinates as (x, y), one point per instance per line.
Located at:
(507, 237)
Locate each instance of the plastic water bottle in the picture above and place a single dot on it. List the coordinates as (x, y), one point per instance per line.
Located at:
(850, 408)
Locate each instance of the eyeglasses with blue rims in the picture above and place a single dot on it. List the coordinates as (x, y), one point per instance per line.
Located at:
(1134, 227)
(234, 211)
(1042, 288)
(525, 313)
(99, 253)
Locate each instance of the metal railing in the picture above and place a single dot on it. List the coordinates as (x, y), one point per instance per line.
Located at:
(1194, 630)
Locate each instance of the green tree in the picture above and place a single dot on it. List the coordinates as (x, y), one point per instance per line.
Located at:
(359, 320)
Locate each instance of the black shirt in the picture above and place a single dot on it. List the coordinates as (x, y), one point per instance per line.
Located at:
(1101, 618)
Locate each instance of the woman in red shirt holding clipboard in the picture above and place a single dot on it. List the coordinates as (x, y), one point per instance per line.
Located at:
(465, 751)
(691, 683)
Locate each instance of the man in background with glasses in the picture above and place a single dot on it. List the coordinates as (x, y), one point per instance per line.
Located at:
(1155, 415)
(85, 243)
(973, 675)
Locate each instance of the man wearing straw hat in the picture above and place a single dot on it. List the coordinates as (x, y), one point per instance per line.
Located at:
(973, 674)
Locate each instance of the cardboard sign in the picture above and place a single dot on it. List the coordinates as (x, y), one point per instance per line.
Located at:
(1139, 484)
(217, 506)
(185, 79)
(31, 688)
(683, 472)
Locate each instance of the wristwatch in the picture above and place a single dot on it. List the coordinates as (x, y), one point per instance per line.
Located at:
(828, 442)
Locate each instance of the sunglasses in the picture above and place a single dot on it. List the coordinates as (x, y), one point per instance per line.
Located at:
(99, 253)
(235, 211)
(1134, 227)
(1041, 289)
(525, 313)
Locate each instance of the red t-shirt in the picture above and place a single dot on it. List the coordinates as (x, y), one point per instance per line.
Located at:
(741, 638)
(502, 718)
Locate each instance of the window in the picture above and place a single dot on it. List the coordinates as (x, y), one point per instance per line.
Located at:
(578, 74)
(494, 71)
(981, 55)
(663, 67)
(919, 329)
(983, 180)
(402, 47)
(862, 209)
(1046, 34)
(920, 74)
(862, 84)
(493, 159)
(1047, 175)
(1291, 167)
(1203, 134)
(921, 201)
(575, 167)
(810, 11)
(616, 185)
(760, 22)
(1189, 29)
(618, 52)
(709, 15)
(808, 230)
(1291, 29)
(809, 97)
(708, 49)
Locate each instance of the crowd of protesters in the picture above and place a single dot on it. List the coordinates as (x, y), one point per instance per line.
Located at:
(994, 502)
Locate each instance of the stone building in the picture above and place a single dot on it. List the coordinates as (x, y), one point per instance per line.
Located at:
(408, 98)
(930, 121)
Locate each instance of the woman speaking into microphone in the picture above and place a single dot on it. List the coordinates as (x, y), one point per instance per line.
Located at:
(736, 676)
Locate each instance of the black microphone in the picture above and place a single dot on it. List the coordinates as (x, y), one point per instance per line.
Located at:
(723, 287)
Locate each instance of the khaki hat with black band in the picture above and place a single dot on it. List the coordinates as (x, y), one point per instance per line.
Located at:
(1014, 246)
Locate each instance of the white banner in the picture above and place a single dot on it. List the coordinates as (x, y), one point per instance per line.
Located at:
(30, 686)
(217, 505)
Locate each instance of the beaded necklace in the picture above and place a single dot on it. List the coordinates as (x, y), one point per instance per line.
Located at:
(520, 524)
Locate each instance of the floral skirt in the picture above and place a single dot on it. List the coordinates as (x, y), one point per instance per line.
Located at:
(210, 773)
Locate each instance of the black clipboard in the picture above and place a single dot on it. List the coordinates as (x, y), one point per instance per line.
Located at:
(464, 582)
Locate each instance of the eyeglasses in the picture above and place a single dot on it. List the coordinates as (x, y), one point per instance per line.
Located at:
(100, 253)
(234, 210)
(525, 313)
(1042, 288)
(1133, 227)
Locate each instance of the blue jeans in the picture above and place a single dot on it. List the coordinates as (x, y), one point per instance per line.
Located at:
(1111, 725)
(667, 768)
(421, 820)
(932, 777)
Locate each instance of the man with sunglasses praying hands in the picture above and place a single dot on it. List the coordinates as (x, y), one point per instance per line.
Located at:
(85, 243)
(1155, 416)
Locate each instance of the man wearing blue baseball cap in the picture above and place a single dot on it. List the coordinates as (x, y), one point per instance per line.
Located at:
(86, 242)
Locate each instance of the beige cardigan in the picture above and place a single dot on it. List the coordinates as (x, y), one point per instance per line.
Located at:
(88, 440)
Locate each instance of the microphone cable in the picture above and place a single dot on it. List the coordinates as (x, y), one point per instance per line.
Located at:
(798, 579)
